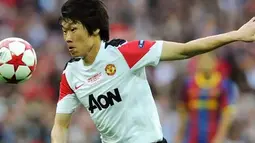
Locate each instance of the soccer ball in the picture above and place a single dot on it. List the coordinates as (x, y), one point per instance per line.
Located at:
(17, 60)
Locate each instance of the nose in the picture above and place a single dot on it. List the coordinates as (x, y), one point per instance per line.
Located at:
(69, 41)
(68, 38)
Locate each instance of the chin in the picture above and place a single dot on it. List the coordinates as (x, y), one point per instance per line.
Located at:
(74, 55)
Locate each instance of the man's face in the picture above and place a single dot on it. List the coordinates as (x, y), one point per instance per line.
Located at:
(78, 40)
(206, 64)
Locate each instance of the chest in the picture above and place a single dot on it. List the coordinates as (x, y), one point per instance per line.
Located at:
(204, 99)
(99, 81)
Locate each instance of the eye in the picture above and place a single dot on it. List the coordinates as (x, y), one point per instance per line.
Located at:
(64, 31)
(73, 29)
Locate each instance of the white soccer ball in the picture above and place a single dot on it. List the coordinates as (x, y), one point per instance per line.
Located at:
(17, 60)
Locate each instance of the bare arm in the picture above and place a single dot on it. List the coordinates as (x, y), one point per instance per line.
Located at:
(60, 128)
(177, 51)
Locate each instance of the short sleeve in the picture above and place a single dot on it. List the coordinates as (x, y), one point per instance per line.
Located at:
(67, 102)
(141, 53)
(229, 94)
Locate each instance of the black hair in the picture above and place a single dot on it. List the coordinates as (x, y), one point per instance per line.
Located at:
(91, 13)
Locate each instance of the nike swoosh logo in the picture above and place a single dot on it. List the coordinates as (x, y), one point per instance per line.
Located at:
(77, 87)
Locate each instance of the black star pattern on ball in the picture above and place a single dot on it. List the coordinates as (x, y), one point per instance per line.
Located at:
(13, 80)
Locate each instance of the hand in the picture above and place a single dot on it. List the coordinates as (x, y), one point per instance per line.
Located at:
(247, 32)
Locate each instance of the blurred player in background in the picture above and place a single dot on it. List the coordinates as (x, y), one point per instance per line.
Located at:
(206, 103)
(108, 77)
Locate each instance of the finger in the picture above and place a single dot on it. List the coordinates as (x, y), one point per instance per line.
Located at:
(252, 20)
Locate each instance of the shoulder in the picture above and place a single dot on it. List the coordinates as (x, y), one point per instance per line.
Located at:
(115, 43)
(188, 80)
(137, 46)
(68, 71)
(130, 46)
(71, 61)
(227, 82)
(70, 68)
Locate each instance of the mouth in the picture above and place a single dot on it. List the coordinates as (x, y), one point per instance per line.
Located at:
(71, 50)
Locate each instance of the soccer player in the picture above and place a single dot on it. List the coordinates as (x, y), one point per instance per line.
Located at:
(206, 104)
(108, 77)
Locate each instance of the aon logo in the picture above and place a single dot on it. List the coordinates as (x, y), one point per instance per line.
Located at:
(104, 101)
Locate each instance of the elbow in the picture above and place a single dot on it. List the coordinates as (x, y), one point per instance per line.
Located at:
(186, 56)
(188, 53)
(190, 50)
(185, 52)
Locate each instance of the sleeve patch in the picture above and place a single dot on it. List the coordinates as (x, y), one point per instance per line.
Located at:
(135, 50)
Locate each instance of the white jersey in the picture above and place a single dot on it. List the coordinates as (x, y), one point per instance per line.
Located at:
(115, 91)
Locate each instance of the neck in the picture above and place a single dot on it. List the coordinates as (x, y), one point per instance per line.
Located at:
(92, 53)
(207, 74)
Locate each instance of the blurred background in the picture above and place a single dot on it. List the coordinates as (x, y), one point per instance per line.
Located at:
(27, 110)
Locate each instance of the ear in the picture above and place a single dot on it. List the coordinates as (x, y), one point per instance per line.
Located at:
(96, 32)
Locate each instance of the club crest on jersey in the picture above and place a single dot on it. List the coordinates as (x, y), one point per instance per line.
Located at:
(110, 69)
